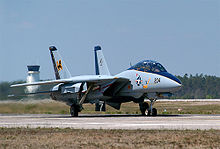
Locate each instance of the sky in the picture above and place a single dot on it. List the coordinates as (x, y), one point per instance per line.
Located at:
(184, 36)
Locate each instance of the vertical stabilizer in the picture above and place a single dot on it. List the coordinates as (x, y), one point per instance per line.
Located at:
(52, 49)
(59, 66)
(101, 67)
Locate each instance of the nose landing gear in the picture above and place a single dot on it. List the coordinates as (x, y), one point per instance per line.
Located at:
(152, 111)
(148, 110)
(144, 106)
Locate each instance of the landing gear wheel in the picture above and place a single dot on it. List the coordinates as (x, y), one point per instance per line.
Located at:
(154, 112)
(143, 108)
(74, 111)
(148, 112)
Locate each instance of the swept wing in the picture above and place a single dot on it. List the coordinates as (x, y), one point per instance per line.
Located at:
(96, 79)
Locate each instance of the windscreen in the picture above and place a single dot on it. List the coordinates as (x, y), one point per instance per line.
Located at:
(157, 67)
(149, 66)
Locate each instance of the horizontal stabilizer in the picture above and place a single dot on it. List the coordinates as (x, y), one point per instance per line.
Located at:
(42, 92)
(26, 94)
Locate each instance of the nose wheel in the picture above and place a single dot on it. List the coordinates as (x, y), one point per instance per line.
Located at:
(148, 110)
(153, 113)
(144, 108)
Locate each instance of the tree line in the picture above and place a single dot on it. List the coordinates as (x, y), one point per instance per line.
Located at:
(198, 86)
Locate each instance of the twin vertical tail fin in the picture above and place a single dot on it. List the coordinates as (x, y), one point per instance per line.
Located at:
(52, 49)
(59, 66)
(101, 67)
(61, 70)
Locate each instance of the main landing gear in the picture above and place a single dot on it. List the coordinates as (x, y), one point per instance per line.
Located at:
(74, 110)
(148, 110)
(77, 107)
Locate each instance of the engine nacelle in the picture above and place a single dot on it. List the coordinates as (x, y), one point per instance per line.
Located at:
(69, 88)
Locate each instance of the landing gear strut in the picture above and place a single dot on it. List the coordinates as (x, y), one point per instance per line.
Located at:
(77, 107)
(152, 111)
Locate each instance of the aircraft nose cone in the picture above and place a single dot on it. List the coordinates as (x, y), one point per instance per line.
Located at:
(172, 83)
(176, 84)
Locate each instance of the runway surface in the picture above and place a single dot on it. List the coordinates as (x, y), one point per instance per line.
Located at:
(111, 121)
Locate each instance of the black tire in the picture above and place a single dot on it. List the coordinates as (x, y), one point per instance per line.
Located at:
(154, 112)
(148, 112)
(74, 111)
(143, 108)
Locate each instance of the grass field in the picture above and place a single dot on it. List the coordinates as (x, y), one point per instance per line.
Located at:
(72, 138)
(163, 107)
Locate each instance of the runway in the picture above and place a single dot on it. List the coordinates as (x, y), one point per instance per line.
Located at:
(179, 122)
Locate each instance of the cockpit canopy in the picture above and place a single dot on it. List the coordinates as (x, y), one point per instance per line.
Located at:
(148, 66)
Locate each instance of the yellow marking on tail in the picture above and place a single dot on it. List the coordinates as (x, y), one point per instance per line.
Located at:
(59, 65)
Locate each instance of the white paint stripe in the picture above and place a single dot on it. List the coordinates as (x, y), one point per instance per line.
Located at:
(131, 124)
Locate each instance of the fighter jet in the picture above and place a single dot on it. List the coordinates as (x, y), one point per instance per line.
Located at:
(145, 81)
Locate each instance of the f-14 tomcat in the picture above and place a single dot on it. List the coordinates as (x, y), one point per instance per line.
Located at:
(146, 80)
